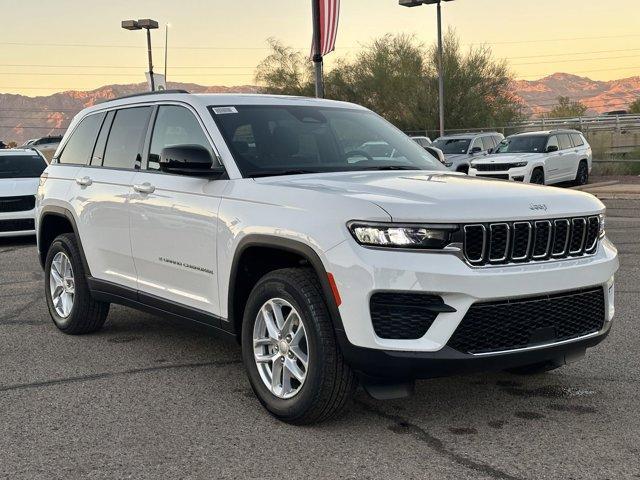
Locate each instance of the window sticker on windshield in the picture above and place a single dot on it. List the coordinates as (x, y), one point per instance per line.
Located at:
(224, 110)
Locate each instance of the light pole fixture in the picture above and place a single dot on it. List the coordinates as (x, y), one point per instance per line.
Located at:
(417, 3)
(148, 25)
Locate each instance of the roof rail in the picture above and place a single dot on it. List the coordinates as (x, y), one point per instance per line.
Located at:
(157, 92)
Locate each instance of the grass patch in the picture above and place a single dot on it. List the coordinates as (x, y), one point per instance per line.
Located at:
(615, 168)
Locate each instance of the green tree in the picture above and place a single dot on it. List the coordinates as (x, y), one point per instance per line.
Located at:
(285, 71)
(635, 106)
(396, 77)
(567, 108)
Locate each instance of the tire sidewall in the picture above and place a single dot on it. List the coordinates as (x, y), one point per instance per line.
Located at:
(296, 406)
(537, 173)
(60, 244)
(582, 177)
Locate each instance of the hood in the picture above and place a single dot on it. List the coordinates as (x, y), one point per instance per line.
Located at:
(14, 187)
(419, 196)
(506, 158)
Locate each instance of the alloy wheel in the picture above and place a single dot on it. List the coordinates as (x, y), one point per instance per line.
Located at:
(62, 284)
(280, 348)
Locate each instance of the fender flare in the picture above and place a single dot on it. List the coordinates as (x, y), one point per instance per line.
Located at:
(57, 211)
(288, 245)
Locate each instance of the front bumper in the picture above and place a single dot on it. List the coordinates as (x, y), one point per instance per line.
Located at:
(403, 366)
(360, 272)
(519, 174)
(8, 218)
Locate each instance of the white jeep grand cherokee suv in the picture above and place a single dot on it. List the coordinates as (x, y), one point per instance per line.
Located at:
(544, 158)
(260, 217)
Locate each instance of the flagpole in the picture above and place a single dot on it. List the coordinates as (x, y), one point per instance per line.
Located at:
(317, 56)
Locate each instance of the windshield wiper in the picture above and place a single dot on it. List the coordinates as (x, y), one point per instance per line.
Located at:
(275, 173)
(392, 167)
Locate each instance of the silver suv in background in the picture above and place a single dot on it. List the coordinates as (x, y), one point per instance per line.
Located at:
(545, 158)
(459, 149)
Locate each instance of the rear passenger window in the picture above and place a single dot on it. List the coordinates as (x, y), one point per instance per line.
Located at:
(564, 141)
(174, 126)
(577, 139)
(126, 136)
(79, 146)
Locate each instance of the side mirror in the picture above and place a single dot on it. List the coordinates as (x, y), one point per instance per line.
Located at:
(552, 148)
(475, 150)
(490, 151)
(191, 160)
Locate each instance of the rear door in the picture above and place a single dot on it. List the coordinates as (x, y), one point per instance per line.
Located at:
(174, 219)
(568, 157)
(104, 192)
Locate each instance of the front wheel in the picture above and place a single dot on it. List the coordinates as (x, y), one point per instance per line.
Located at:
(289, 349)
(537, 177)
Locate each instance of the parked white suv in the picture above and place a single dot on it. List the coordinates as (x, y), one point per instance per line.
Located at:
(544, 158)
(261, 217)
(20, 171)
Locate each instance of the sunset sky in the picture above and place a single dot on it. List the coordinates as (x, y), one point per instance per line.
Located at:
(52, 46)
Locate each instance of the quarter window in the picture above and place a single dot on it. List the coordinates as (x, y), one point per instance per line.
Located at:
(174, 125)
(126, 137)
(80, 144)
(577, 139)
(565, 141)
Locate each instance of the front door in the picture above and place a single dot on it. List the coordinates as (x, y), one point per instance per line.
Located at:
(174, 219)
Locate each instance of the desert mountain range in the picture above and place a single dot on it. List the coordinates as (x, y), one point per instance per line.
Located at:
(23, 117)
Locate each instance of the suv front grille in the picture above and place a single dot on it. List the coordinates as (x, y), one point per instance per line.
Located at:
(526, 241)
(494, 167)
(17, 204)
(403, 316)
(519, 323)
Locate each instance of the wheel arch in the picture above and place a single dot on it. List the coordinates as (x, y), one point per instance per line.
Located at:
(54, 221)
(291, 253)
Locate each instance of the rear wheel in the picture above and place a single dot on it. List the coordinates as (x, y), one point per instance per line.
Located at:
(289, 349)
(71, 306)
(537, 176)
(582, 175)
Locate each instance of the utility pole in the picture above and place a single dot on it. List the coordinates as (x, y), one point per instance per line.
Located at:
(166, 49)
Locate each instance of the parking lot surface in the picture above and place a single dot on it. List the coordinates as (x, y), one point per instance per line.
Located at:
(151, 398)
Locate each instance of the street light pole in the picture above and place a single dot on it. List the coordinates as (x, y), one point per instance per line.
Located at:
(440, 73)
(166, 46)
(148, 25)
(416, 3)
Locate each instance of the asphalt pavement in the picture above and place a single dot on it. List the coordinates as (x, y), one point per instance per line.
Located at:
(148, 397)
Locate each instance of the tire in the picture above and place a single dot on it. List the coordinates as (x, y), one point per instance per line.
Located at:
(582, 175)
(85, 315)
(537, 176)
(535, 369)
(329, 382)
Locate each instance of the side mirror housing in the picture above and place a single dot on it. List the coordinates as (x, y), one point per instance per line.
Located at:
(190, 160)
(475, 150)
(552, 148)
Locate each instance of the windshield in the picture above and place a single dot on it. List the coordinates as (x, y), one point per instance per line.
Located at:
(21, 166)
(452, 145)
(280, 140)
(522, 144)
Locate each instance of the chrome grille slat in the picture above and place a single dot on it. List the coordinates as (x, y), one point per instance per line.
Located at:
(499, 243)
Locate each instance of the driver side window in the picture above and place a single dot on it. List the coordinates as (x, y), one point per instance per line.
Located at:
(174, 125)
(553, 142)
(477, 143)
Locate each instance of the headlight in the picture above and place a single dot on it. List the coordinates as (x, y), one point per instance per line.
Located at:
(602, 222)
(402, 236)
(520, 164)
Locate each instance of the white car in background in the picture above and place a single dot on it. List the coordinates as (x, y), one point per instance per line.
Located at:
(544, 158)
(425, 142)
(20, 171)
(45, 145)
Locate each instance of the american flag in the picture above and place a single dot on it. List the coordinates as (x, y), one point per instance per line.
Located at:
(329, 13)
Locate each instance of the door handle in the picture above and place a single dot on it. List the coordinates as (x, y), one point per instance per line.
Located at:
(84, 181)
(144, 188)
